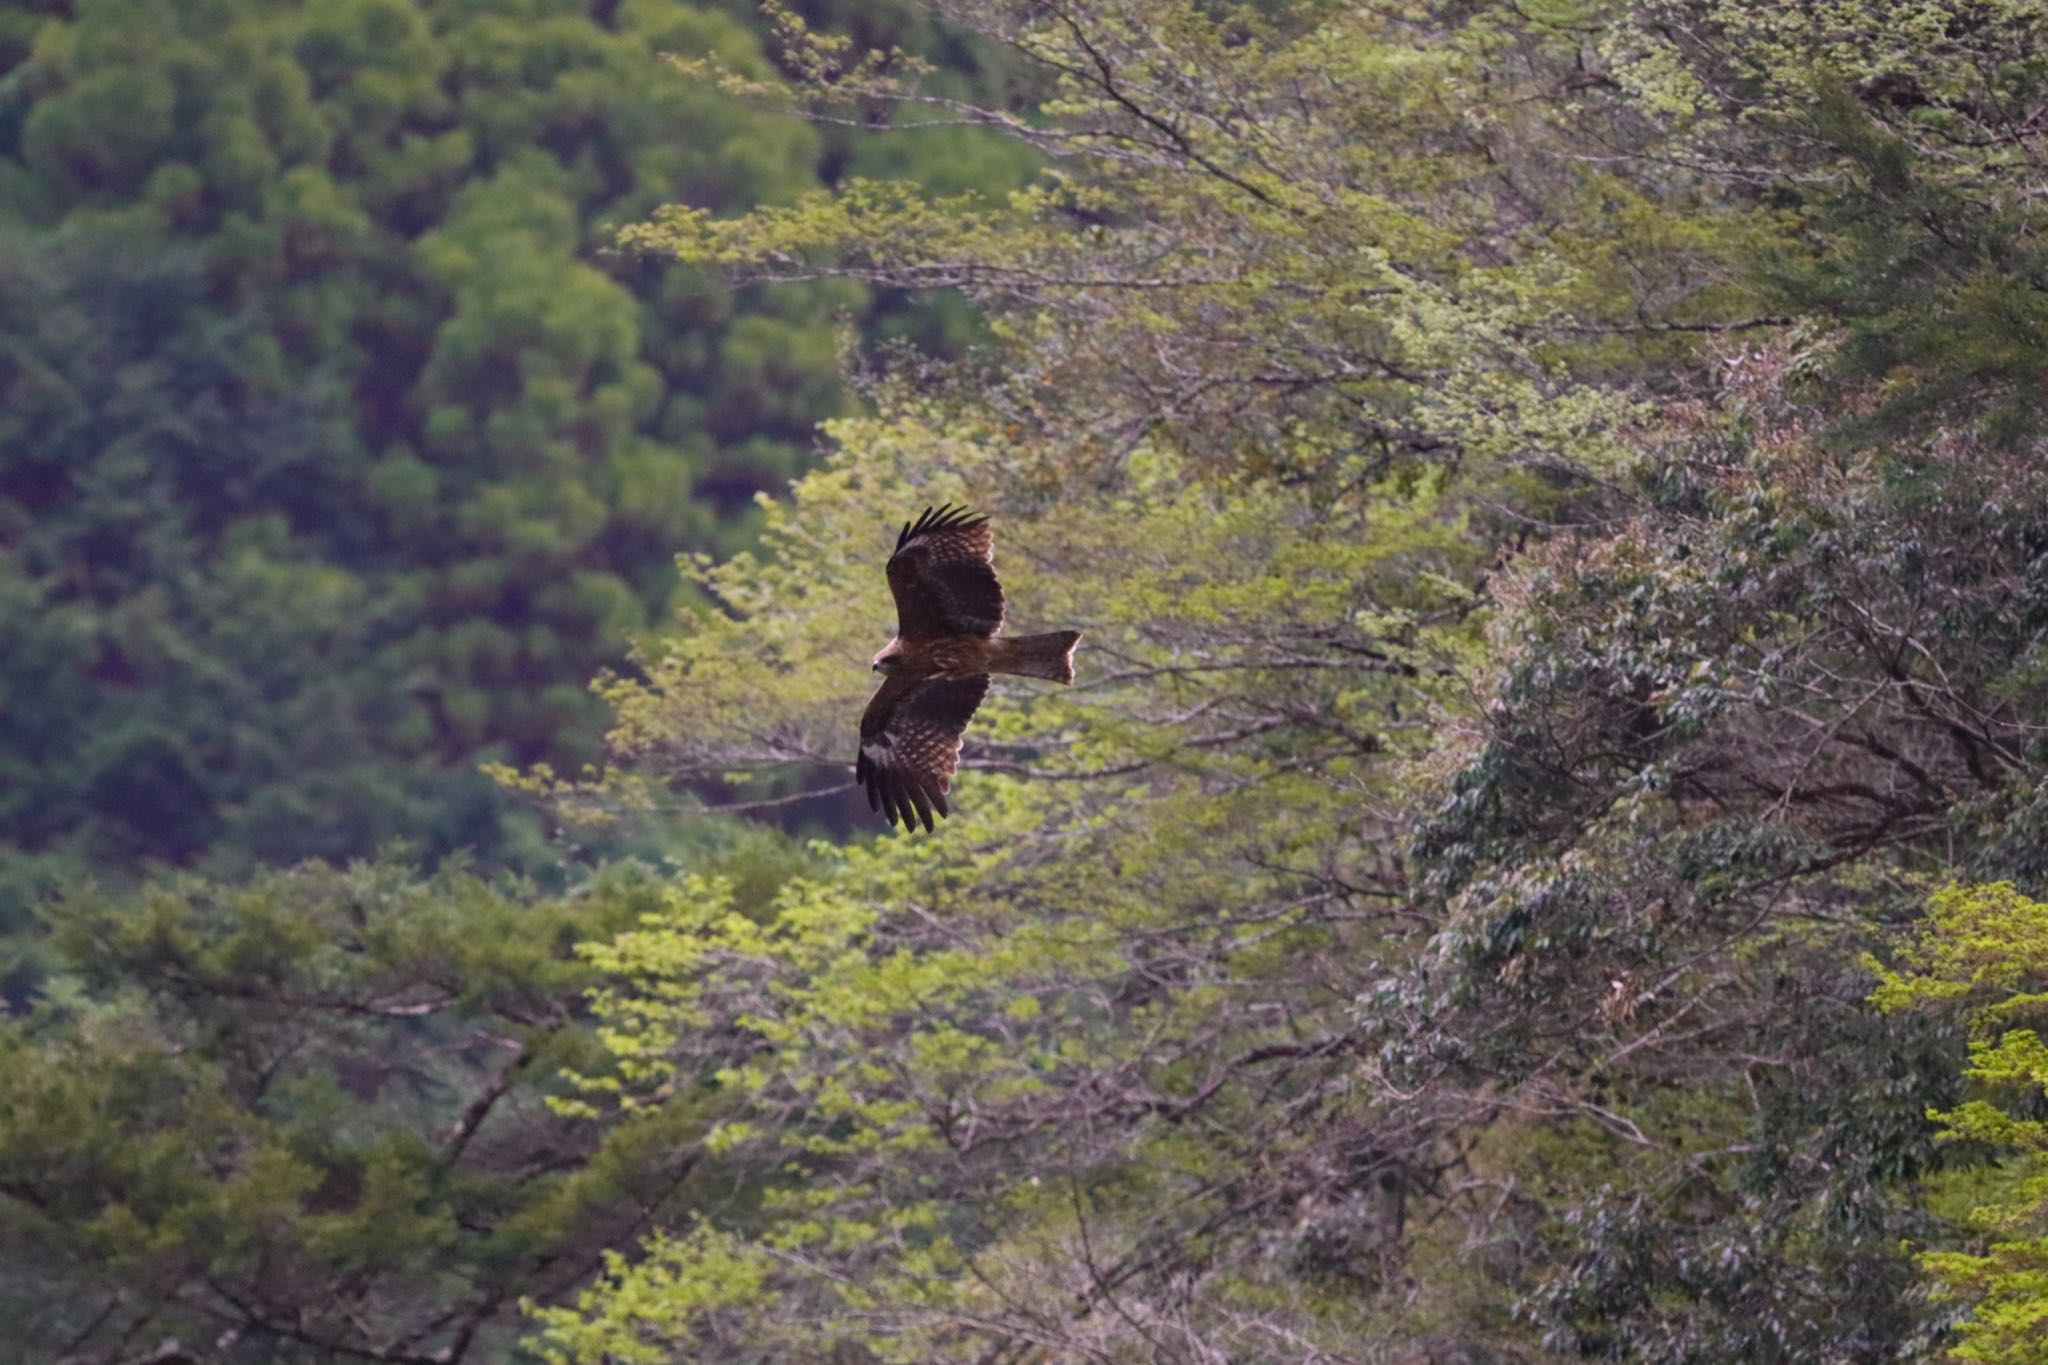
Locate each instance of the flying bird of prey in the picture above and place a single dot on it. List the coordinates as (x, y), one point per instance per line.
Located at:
(949, 608)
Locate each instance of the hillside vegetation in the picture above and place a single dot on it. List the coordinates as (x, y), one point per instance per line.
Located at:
(1543, 858)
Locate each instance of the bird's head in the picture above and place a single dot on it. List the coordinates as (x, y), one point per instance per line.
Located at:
(889, 658)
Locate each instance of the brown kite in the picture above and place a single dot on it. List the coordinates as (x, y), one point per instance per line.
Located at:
(949, 607)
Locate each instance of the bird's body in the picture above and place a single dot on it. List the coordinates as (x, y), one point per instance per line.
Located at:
(960, 656)
(953, 657)
(949, 612)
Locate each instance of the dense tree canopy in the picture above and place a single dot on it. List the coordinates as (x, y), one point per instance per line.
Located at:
(1435, 924)
(309, 1119)
(1981, 953)
(1542, 860)
(338, 450)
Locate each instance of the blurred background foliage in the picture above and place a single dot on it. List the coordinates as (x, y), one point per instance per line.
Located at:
(1543, 860)
(338, 448)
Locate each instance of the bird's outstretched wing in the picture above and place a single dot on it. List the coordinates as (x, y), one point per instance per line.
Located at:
(910, 743)
(943, 576)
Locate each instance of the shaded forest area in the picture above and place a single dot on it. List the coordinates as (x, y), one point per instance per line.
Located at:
(342, 449)
(1544, 857)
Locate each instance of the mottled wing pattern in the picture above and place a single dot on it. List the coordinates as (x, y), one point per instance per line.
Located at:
(943, 576)
(910, 743)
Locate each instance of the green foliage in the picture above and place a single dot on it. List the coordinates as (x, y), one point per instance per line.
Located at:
(338, 454)
(1125, 1064)
(1340, 249)
(901, 1035)
(307, 1119)
(1431, 927)
(1894, 129)
(338, 451)
(1736, 736)
(1983, 953)
(1437, 924)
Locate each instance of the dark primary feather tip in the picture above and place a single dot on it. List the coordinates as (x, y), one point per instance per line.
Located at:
(933, 520)
(906, 803)
(914, 529)
(920, 804)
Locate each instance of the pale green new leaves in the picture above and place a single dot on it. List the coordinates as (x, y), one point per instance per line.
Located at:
(1942, 75)
(1348, 237)
(679, 1283)
(1986, 948)
(1273, 341)
(1188, 594)
(1128, 902)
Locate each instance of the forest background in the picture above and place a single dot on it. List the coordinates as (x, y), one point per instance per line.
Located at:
(1539, 863)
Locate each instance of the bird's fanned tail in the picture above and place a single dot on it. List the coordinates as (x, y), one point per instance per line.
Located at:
(1049, 656)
